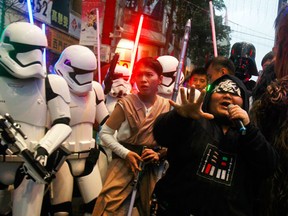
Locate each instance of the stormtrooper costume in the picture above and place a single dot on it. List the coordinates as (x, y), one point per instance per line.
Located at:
(169, 65)
(121, 86)
(87, 164)
(29, 96)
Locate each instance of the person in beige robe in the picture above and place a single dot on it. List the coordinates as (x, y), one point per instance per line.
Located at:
(133, 119)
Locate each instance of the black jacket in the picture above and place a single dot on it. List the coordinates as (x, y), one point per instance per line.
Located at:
(211, 173)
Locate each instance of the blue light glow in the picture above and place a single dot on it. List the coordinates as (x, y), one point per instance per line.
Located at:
(30, 12)
(44, 51)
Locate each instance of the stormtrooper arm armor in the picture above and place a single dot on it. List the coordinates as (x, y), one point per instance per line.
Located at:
(101, 110)
(53, 138)
(58, 99)
(107, 136)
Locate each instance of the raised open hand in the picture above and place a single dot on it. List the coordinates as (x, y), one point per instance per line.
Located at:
(189, 107)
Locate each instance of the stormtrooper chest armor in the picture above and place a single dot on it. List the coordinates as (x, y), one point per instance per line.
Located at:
(24, 100)
(83, 108)
(83, 111)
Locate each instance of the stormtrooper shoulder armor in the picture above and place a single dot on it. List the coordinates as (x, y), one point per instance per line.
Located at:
(59, 87)
(99, 91)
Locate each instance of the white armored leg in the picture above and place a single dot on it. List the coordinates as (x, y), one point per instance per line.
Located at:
(90, 185)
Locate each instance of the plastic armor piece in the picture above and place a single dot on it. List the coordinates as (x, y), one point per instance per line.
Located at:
(57, 84)
(77, 65)
(169, 64)
(58, 109)
(121, 86)
(28, 101)
(87, 106)
(84, 112)
(58, 104)
(53, 138)
(165, 89)
(21, 51)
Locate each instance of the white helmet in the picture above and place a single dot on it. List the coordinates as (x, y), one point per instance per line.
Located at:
(21, 50)
(77, 65)
(169, 65)
(121, 85)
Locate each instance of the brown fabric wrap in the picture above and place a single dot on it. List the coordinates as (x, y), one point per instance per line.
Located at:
(118, 186)
(141, 126)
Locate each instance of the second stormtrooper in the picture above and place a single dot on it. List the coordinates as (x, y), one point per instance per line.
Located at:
(166, 88)
(119, 88)
(87, 164)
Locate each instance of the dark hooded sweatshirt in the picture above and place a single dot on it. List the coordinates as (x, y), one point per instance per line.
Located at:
(211, 173)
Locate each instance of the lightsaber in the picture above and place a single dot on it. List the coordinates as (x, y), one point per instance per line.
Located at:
(98, 46)
(181, 61)
(44, 51)
(30, 12)
(134, 191)
(213, 29)
(136, 182)
(134, 52)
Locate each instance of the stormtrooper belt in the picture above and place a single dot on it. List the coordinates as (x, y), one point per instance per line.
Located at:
(78, 155)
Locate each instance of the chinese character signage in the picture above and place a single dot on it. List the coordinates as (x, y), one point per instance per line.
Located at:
(60, 14)
(58, 41)
(54, 12)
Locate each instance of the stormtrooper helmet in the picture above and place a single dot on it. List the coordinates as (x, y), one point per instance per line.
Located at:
(121, 85)
(169, 65)
(77, 65)
(21, 50)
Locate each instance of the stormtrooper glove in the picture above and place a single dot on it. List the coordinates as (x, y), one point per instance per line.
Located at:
(41, 155)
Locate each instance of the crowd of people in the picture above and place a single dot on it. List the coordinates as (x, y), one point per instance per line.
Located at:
(210, 151)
